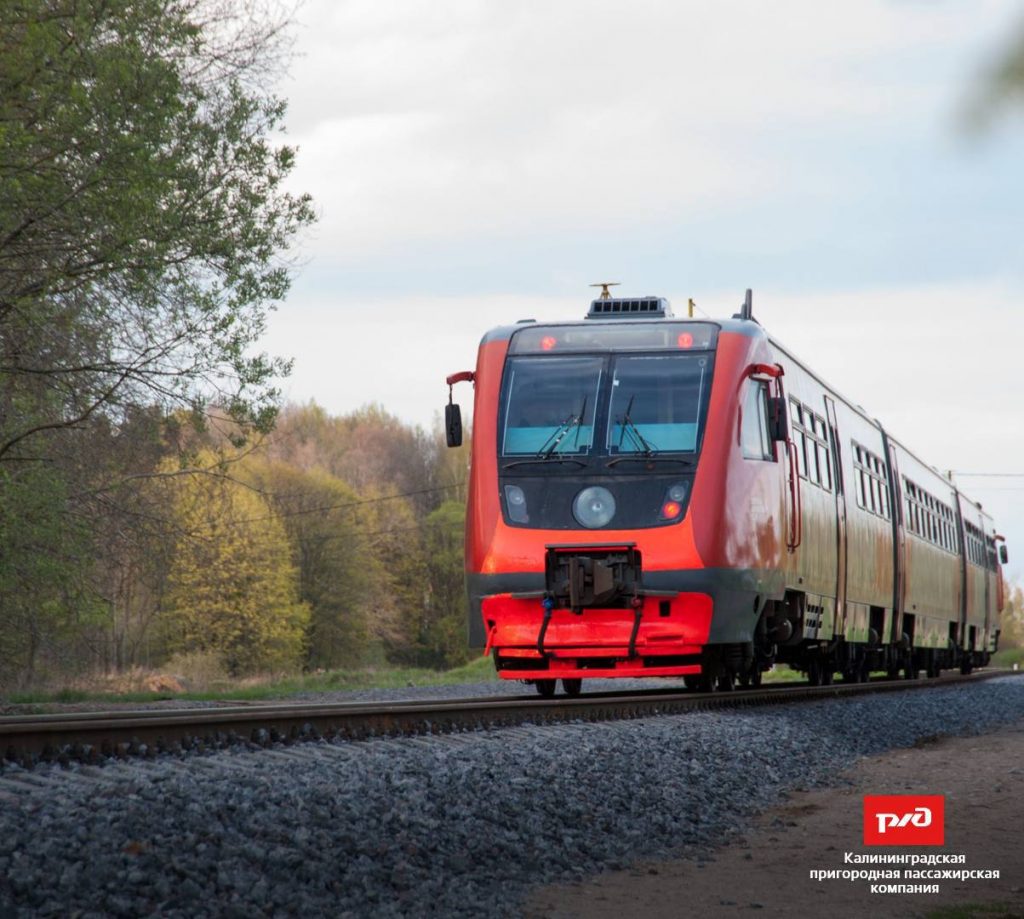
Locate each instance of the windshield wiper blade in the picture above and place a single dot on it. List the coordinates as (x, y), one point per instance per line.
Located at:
(545, 459)
(628, 426)
(559, 434)
(642, 458)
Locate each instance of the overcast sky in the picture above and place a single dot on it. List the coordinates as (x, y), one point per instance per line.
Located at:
(474, 163)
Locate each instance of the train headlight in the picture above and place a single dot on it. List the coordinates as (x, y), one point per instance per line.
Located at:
(515, 501)
(594, 507)
(677, 492)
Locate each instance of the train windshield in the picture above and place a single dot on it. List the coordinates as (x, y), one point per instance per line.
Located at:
(613, 405)
(655, 403)
(551, 405)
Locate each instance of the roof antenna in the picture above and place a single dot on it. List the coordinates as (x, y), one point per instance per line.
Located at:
(747, 310)
(748, 305)
(604, 285)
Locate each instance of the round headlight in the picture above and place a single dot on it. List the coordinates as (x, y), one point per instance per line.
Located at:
(594, 507)
(677, 492)
(514, 495)
(515, 498)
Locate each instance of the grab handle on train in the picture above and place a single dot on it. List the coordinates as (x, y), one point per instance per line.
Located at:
(795, 535)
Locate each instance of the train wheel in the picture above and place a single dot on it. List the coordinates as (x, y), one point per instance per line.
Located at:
(827, 674)
(726, 681)
(707, 683)
(755, 677)
(966, 665)
(546, 687)
(814, 672)
(572, 687)
(692, 682)
(744, 680)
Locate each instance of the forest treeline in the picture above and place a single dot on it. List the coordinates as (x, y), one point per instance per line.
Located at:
(153, 502)
(329, 542)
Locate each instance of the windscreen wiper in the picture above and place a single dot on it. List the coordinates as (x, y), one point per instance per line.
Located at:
(560, 433)
(627, 425)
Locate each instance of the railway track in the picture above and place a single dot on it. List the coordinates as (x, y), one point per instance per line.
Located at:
(91, 736)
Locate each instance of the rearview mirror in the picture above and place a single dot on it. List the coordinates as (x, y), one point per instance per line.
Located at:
(453, 424)
(1003, 557)
(778, 422)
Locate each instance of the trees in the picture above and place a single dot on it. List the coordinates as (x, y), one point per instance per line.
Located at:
(232, 588)
(339, 574)
(1003, 85)
(443, 632)
(143, 232)
(44, 566)
(142, 214)
(1012, 635)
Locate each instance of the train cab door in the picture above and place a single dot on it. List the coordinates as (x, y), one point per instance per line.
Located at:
(840, 493)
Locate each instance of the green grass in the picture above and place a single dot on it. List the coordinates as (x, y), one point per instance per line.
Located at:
(1008, 657)
(478, 670)
(783, 674)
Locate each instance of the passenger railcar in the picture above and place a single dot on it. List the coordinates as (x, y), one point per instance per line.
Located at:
(661, 497)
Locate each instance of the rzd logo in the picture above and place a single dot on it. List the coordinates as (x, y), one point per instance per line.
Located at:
(904, 820)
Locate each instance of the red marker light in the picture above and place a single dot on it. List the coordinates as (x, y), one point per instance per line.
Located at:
(548, 342)
(670, 510)
(685, 340)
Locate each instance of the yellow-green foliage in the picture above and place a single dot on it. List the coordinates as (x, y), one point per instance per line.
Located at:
(1012, 634)
(339, 574)
(233, 588)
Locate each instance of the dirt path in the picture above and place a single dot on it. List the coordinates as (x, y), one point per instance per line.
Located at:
(766, 874)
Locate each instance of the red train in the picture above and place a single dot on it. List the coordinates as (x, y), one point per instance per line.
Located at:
(661, 497)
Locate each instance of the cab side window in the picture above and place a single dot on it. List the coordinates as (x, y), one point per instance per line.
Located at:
(754, 440)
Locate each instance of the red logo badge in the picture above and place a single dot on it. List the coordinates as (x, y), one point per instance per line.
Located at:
(904, 820)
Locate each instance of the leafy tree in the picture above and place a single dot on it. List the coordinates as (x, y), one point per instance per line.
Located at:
(1003, 84)
(232, 589)
(339, 574)
(1012, 635)
(44, 568)
(442, 634)
(370, 449)
(142, 213)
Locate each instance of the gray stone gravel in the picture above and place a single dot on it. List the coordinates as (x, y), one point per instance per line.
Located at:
(438, 826)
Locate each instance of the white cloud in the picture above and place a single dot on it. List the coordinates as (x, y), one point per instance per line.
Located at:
(434, 121)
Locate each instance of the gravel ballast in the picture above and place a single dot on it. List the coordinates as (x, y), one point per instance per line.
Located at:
(452, 825)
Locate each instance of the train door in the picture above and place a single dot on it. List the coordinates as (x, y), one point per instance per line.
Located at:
(899, 541)
(990, 591)
(840, 493)
(961, 630)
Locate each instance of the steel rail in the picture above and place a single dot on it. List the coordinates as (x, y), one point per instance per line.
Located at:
(92, 735)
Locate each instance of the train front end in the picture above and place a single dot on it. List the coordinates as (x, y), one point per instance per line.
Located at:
(588, 438)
